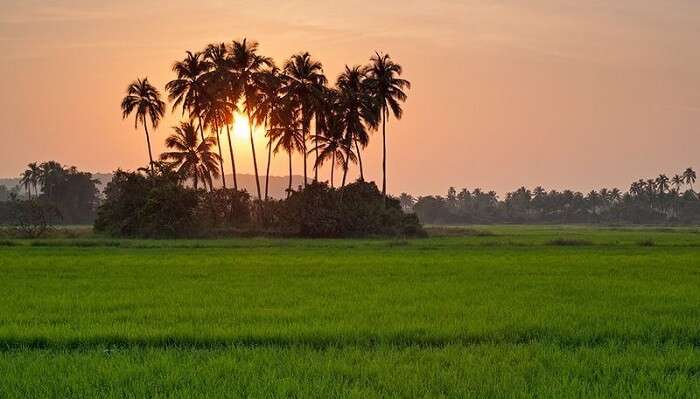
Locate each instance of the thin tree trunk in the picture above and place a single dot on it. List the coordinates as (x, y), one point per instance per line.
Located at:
(221, 155)
(345, 171)
(233, 161)
(304, 149)
(201, 127)
(359, 158)
(384, 153)
(267, 172)
(289, 190)
(148, 141)
(316, 149)
(332, 169)
(255, 159)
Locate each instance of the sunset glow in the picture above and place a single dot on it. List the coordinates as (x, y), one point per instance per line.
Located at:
(241, 128)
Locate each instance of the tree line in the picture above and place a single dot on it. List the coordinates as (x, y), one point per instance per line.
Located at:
(648, 201)
(53, 194)
(222, 80)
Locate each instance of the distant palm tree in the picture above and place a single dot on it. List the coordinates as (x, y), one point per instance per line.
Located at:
(357, 110)
(143, 99)
(187, 87)
(248, 66)
(677, 181)
(191, 158)
(388, 90)
(662, 183)
(30, 179)
(269, 102)
(689, 176)
(305, 84)
(25, 179)
(288, 135)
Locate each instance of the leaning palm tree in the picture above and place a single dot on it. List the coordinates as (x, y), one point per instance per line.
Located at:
(187, 87)
(357, 108)
(267, 111)
(305, 85)
(388, 91)
(35, 174)
(689, 176)
(288, 135)
(191, 158)
(248, 66)
(143, 99)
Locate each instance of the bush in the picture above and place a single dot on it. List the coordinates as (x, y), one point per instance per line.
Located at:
(357, 210)
(141, 204)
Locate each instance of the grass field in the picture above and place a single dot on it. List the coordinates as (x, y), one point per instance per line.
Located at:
(504, 312)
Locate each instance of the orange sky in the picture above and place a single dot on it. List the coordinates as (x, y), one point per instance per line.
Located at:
(562, 93)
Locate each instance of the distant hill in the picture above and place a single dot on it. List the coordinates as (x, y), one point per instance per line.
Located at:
(278, 184)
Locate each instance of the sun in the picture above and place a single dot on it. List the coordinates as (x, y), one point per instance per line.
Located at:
(241, 126)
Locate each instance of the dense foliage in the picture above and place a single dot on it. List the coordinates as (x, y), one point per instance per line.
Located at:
(54, 194)
(156, 204)
(651, 201)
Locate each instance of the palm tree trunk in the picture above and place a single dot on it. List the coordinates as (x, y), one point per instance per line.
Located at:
(255, 159)
(359, 158)
(332, 169)
(148, 142)
(316, 150)
(304, 149)
(201, 127)
(267, 172)
(345, 170)
(233, 161)
(289, 189)
(221, 155)
(384, 154)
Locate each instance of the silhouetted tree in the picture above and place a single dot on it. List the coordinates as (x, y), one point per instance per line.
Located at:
(248, 66)
(388, 90)
(143, 99)
(191, 158)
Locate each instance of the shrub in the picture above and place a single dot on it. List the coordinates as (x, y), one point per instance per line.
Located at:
(141, 204)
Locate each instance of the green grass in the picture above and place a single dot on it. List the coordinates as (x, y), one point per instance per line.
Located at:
(493, 311)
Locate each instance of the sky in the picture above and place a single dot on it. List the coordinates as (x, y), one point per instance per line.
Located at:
(559, 93)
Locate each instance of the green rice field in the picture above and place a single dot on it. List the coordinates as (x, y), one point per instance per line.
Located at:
(477, 312)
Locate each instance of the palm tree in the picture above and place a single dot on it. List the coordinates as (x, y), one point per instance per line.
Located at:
(187, 87)
(144, 99)
(330, 145)
(30, 179)
(677, 181)
(288, 134)
(215, 112)
(25, 179)
(305, 84)
(249, 70)
(388, 91)
(689, 176)
(191, 158)
(222, 84)
(266, 113)
(357, 109)
(662, 183)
